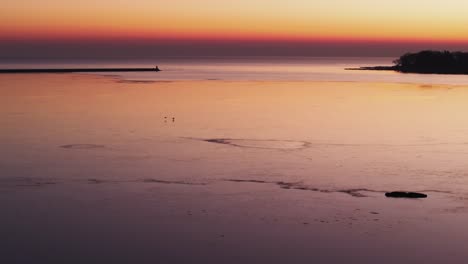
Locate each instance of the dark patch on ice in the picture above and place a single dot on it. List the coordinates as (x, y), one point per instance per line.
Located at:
(218, 141)
(82, 146)
(252, 181)
(149, 180)
(31, 182)
(261, 143)
(410, 195)
(36, 184)
(430, 86)
(172, 182)
(95, 181)
(357, 192)
(436, 191)
(301, 144)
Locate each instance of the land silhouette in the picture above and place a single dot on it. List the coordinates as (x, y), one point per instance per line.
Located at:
(428, 62)
(74, 70)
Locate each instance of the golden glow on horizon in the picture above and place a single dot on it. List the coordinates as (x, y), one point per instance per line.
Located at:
(396, 20)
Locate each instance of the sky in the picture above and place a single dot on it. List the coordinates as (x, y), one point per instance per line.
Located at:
(61, 28)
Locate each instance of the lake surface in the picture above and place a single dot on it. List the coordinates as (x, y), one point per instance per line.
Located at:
(233, 160)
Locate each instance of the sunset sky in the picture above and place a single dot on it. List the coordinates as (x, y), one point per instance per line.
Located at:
(366, 27)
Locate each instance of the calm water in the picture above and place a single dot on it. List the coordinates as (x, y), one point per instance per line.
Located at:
(254, 69)
(233, 161)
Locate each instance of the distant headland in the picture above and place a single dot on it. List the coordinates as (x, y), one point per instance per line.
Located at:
(427, 62)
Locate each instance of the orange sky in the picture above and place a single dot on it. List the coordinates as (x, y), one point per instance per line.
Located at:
(395, 20)
(153, 28)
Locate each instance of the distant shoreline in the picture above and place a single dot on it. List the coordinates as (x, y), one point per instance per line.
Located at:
(373, 68)
(426, 62)
(397, 69)
(5, 71)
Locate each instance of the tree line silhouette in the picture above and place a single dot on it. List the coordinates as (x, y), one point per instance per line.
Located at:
(429, 61)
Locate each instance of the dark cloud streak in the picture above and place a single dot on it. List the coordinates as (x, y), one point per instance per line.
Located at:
(141, 49)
